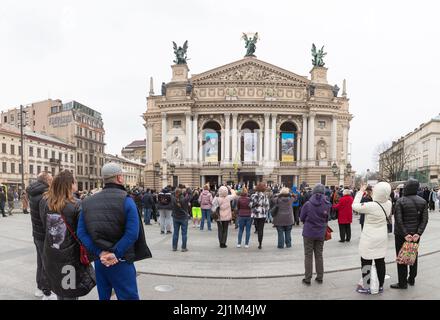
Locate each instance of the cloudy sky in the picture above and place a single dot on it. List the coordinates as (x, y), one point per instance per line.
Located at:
(102, 53)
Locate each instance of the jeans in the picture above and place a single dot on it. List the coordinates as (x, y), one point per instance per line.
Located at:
(180, 223)
(259, 225)
(313, 247)
(402, 269)
(345, 232)
(206, 214)
(284, 235)
(269, 217)
(41, 278)
(165, 219)
(223, 231)
(147, 215)
(380, 268)
(242, 223)
(121, 277)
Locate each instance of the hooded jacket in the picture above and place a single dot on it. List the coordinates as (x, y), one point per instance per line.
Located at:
(35, 192)
(205, 200)
(345, 212)
(223, 200)
(411, 211)
(314, 215)
(284, 217)
(374, 237)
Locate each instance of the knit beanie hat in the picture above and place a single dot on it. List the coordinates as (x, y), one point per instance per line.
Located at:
(319, 188)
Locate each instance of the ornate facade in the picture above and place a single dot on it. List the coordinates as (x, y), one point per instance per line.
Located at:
(246, 121)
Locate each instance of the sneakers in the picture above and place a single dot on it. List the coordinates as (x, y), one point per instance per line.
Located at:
(363, 290)
(169, 232)
(174, 249)
(381, 290)
(52, 296)
(319, 280)
(162, 232)
(246, 246)
(238, 245)
(184, 249)
(38, 293)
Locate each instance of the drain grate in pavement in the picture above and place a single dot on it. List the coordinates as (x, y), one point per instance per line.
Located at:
(164, 288)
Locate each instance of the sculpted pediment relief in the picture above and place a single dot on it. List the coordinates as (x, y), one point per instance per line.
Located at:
(250, 70)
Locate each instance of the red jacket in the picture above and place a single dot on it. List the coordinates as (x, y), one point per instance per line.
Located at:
(345, 212)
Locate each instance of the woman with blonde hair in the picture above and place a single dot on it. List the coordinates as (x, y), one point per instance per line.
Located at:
(223, 202)
(59, 212)
(260, 206)
(283, 217)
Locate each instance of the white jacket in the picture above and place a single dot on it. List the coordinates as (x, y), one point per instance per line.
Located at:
(374, 237)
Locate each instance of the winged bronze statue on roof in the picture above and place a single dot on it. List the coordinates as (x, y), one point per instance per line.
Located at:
(180, 53)
(318, 56)
(250, 44)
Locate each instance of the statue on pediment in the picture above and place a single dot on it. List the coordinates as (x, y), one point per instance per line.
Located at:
(250, 44)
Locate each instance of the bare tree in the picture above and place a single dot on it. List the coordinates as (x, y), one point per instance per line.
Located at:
(392, 159)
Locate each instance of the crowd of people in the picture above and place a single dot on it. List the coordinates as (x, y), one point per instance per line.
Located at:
(105, 226)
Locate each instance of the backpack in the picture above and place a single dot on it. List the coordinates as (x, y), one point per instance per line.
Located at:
(205, 199)
(164, 199)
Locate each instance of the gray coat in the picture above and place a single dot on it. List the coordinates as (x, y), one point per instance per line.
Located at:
(285, 211)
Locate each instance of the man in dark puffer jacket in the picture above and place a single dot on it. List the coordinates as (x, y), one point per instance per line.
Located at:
(35, 192)
(411, 219)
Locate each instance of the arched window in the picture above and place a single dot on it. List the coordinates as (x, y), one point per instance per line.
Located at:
(288, 142)
(211, 141)
(249, 141)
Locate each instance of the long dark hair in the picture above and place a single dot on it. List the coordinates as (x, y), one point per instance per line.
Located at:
(60, 191)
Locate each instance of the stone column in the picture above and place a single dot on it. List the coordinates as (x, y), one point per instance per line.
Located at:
(304, 139)
(266, 136)
(164, 134)
(201, 147)
(227, 138)
(194, 138)
(188, 134)
(334, 138)
(149, 144)
(311, 136)
(234, 137)
(273, 138)
(260, 146)
(345, 143)
(222, 149)
(298, 148)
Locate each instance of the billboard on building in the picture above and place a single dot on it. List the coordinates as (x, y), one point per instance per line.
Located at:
(287, 146)
(211, 146)
(250, 146)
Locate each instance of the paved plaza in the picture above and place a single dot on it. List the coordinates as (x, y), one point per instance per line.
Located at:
(208, 272)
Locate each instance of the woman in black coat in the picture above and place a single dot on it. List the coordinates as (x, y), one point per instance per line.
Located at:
(59, 210)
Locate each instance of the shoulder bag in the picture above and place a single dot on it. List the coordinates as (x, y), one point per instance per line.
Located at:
(386, 217)
(83, 255)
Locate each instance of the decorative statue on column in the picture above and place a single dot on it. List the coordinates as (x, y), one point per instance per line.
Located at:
(322, 150)
(250, 44)
(335, 90)
(318, 56)
(180, 53)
